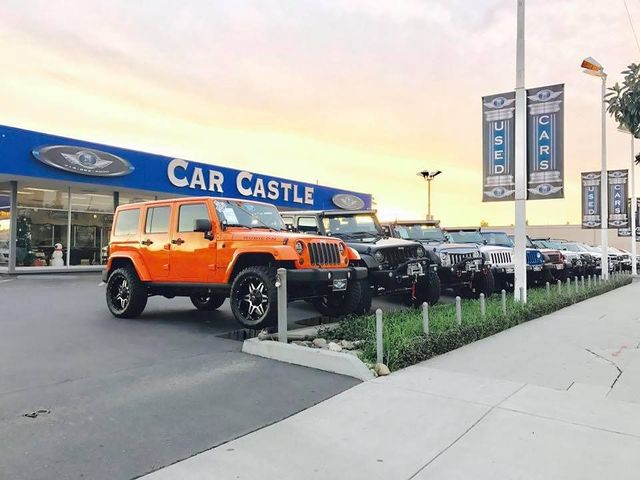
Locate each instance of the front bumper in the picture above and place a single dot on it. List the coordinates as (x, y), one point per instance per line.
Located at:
(400, 277)
(318, 275)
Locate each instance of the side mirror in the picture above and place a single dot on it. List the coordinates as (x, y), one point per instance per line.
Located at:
(290, 227)
(203, 225)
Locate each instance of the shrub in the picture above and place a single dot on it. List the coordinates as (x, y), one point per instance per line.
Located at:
(404, 342)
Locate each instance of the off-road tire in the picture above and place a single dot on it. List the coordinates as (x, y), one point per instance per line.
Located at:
(207, 301)
(124, 282)
(427, 290)
(483, 283)
(240, 288)
(366, 297)
(342, 303)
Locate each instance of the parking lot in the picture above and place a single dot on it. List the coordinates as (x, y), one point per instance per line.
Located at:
(129, 396)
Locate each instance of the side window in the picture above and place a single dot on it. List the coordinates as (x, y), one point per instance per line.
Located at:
(157, 220)
(308, 225)
(287, 220)
(127, 222)
(189, 213)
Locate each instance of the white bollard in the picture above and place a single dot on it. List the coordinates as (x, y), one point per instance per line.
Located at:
(576, 284)
(482, 306)
(559, 287)
(504, 301)
(548, 287)
(379, 346)
(281, 284)
(458, 311)
(425, 318)
(582, 282)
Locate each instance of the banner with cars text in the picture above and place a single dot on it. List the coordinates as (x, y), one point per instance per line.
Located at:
(626, 231)
(591, 186)
(545, 142)
(617, 194)
(498, 152)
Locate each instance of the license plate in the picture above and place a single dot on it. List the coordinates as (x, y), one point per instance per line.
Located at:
(537, 268)
(339, 284)
(473, 266)
(414, 269)
(559, 267)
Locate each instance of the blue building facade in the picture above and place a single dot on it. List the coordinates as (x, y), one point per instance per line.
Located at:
(58, 194)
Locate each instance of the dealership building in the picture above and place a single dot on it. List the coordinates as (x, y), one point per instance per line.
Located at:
(57, 190)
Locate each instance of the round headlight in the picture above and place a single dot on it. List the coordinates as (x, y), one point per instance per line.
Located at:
(341, 248)
(420, 252)
(539, 255)
(379, 256)
(299, 247)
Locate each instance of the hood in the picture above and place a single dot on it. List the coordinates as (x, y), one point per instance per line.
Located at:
(379, 243)
(452, 247)
(246, 235)
(494, 248)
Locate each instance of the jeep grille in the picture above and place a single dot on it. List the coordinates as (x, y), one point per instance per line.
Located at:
(501, 257)
(460, 257)
(395, 256)
(324, 253)
(533, 259)
(554, 257)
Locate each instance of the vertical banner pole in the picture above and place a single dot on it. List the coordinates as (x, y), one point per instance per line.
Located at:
(634, 208)
(604, 190)
(520, 265)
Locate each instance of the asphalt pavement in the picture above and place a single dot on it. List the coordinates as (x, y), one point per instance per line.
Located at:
(121, 398)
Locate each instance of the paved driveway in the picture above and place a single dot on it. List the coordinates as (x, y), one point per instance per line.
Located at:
(129, 396)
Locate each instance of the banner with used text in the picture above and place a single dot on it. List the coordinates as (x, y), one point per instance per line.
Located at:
(591, 186)
(498, 152)
(545, 142)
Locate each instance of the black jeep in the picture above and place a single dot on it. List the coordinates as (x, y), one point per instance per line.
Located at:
(462, 267)
(395, 266)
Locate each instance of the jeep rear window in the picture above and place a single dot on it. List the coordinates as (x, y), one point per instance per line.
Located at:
(127, 222)
(158, 220)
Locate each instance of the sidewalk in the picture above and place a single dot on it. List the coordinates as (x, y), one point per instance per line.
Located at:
(555, 398)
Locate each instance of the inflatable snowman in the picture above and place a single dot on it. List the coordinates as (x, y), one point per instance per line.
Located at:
(56, 256)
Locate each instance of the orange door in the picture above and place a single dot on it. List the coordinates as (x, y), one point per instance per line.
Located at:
(193, 257)
(155, 241)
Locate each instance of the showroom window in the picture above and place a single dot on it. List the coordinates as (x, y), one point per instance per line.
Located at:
(5, 225)
(91, 218)
(42, 223)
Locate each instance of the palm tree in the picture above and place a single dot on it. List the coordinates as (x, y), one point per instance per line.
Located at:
(624, 102)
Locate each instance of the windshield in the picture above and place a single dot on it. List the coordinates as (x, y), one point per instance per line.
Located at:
(500, 239)
(462, 236)
(420, 232)
(247, 214)
(352, 225)
(552, 244)
(574, 247)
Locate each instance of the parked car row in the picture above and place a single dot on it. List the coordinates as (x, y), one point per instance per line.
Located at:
(210, 249)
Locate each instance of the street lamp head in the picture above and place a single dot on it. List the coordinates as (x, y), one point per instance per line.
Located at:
(427, 175)
(592, 67)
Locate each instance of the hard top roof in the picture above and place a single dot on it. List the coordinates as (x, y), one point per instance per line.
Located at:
(188, 199)
(328, 212)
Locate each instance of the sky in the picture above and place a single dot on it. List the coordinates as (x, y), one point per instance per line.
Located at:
(356, 94)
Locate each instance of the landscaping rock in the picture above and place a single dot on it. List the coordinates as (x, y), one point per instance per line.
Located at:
(381, 369)
(347, 345)
(334, 347)
(299, 343)
(263, 335)
(320, 343)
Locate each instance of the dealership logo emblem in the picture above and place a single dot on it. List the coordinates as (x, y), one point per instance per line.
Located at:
(84, 161)
(347, 201)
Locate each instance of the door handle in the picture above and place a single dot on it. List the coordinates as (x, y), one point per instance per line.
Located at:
(177, 241)
(147, 242)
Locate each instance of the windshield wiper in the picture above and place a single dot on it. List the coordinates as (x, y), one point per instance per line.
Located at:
(253, 215)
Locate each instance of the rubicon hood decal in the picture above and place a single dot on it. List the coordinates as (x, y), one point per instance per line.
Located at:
(83, 161)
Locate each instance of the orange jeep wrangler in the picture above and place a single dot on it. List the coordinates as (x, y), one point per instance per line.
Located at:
(212, 248)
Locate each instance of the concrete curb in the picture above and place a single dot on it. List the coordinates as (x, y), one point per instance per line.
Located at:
(320, 359)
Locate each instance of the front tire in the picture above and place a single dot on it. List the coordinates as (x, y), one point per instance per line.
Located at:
(427, 290)
(483, 283)
(126, 294)
(342, 303)
(254, 297)
(207, 301)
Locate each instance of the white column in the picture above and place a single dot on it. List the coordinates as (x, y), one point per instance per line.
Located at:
(604, 231)
(634, 269)
(520, 263)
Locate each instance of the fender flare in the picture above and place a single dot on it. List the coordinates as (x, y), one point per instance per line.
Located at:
(278, 253)
(135, 259)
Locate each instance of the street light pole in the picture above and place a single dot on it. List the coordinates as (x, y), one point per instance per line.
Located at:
(592, 67)
(604, 217)
(429, 176)
(520, 235)
(634, 267)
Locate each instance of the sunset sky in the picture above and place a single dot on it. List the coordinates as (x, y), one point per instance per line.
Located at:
(358, 94)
